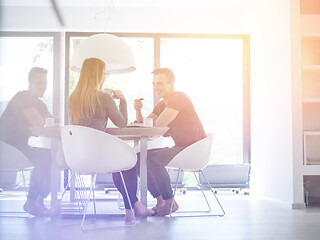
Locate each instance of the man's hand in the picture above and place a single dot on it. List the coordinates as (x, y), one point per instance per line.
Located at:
(138, 104)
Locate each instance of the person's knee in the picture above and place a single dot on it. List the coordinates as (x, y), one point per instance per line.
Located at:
(154, 166)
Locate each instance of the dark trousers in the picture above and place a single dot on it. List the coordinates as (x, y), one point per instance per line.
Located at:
(130, 178)
(159, 182)
(40, 176)
(158, 178)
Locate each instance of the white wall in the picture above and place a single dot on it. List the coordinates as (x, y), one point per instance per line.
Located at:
(267, 21)
(298, 194)
(183, 20)
(271, 137)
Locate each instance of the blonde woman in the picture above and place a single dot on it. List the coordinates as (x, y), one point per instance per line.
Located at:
(90, 106)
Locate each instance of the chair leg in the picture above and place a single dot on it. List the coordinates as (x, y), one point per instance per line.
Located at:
(65, 189)
(81, 193)
(211, 189)
(57, 203)
(209, 208)
(93, 182)
(93, 177)
(86, 207)
(120, 201)
(125, 188)
(208, 204)
(24, 183)
(175, 189)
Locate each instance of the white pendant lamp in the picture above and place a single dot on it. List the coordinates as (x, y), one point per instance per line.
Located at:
(115, 52)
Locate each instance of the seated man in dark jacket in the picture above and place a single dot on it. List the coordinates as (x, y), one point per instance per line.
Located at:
(24, 110)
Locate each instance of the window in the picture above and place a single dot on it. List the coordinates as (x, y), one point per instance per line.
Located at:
(19, 53)
(134, 85)
(213, 70)
(18, 56)
(209, 71)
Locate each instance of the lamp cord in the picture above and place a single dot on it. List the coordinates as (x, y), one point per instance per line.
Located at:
(105, 13)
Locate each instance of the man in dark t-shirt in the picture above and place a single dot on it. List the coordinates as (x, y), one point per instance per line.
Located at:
(24, 110)
(175, 111)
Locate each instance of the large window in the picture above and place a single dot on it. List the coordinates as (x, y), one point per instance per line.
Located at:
(209, 71)
(19, 52)
(133, 85)
(18, 56)
(213, 70)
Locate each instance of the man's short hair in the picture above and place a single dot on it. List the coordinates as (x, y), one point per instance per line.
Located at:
(34, 71)
(165, 71)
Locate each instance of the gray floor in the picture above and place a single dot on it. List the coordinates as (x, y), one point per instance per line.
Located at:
(246, 218)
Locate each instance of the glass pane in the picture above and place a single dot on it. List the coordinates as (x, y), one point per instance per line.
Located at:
(18, 56)
(209, 71)
(137, 84)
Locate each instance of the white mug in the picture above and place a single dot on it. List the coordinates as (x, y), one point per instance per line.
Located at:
(148, 122)
(49, 122)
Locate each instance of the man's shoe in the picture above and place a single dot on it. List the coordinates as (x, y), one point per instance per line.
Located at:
(54, 211)
(32, 208)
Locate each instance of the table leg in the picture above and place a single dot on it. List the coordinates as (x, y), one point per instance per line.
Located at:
(143, 170)
(72, 188)
(54, 171)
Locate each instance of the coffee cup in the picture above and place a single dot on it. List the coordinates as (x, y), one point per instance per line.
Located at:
(49, 122)
(148, 122)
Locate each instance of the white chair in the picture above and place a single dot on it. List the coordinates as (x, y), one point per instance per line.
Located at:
(76, 184)
(89, 151)
(194, 159)
(13, 160)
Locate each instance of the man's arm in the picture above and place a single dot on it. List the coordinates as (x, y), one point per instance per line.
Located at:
(139, 118)
(163, 120)
(42, 109)
(166, 117)
(154, 117)
(34, 117)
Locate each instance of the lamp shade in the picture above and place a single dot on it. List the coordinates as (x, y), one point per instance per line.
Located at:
(116, 54)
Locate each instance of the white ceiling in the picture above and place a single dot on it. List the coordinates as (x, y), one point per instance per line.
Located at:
(203, 16)
(129, 3)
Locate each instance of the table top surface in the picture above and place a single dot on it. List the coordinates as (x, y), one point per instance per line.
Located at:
(137, 131)
(54, 131)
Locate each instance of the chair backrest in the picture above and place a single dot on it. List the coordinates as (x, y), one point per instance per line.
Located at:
(90, 151)
(194, 157)
(12, 159)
